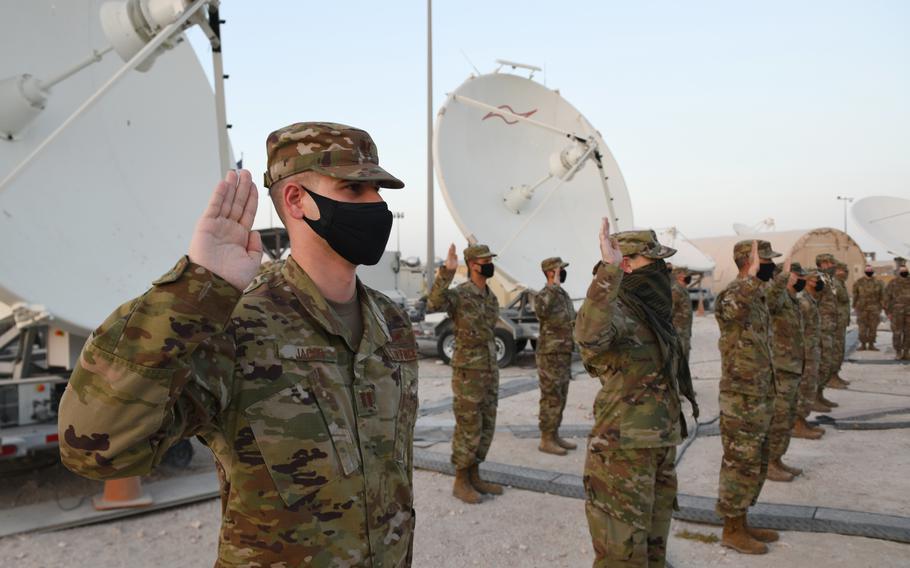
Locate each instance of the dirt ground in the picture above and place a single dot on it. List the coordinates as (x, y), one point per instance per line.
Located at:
(858, 470)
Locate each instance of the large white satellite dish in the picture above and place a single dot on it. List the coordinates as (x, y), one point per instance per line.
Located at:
(688, 255)
(524, 172)
(887, 219)
(111, 203)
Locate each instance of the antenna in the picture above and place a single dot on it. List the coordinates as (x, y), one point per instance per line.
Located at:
(887, 219)
(524, 172)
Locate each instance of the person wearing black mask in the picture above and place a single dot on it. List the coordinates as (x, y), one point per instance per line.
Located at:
(868, 300)
(553, 354)
(474, 310)
(829, 319)
(897, 306)
(808, 382)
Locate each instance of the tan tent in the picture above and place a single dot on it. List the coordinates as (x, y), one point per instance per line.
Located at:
(802, 245)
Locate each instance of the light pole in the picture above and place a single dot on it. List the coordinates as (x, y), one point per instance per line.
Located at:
(846, 200)
(430, 263)
(398, 215)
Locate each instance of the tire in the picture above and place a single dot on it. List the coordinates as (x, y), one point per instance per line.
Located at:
(520, 345)
(179, 455)
(445, 346)
(505, 348)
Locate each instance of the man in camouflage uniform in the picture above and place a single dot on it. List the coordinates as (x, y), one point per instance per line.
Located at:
(897, 306)
(843, 321)
(625, 334)
(556, 315)
(682, 307)
(309, 413)
(747, 393)
(474, 310)
(828, 321)
(868, 297)
(808, 383)
(788, 358)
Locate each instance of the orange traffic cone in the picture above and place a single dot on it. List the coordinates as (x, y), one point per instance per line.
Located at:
(121, 494)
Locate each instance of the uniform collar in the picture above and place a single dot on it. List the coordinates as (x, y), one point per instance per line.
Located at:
(375, 332)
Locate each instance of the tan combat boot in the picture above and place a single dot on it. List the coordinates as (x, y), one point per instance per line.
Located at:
(481, 485)
(761, 535)
(775, 473)
(789, 468)
(801, 429)
(463, 488)
(862, 347)
(872, 347)
(837, 383)
(549, 445)
(736, 537)
(817, 406)
(563, 443)
(826, 402)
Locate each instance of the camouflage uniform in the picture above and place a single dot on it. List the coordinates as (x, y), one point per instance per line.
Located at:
(843, 316)
(311, 435)
(475, 376)
(828, 321)
(897, 306)
(788, 357)
(556, 315)
(868, 296)
(746, 387)
(808, 384)
(682, 311)
(630, 476)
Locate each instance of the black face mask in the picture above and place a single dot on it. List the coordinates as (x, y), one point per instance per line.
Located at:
(487, 270)
(562, 275)
(869, 273)
(800, 284)
(819, 285)
(356, 231)
(904, 274)
(687, 279)
(765, 271)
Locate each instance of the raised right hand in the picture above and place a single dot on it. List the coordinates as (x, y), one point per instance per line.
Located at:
(754, 261)
(223, 240)
(609, 248)
(452, 258)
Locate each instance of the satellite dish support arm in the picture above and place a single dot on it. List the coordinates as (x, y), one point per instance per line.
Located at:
(211, 26)
(137, 60)
(509, 114)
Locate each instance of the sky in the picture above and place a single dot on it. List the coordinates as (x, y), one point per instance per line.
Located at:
(717, 112)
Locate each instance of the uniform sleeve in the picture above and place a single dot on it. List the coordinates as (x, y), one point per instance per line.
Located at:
(855, 291)
(886, 297)
(441, 299)
(680, 304)
(777, 293)
(736, 303)
(594, 329)
(152, 374)
(543, 303)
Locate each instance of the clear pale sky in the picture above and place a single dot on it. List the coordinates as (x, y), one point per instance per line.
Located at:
(717, 112)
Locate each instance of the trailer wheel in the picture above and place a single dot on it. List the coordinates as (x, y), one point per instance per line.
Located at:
(505, 347)
(445, 346)
(179, 455)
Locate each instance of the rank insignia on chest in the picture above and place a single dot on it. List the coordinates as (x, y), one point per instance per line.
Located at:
(366, 400)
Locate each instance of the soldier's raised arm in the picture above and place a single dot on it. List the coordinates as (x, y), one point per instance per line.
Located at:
(155, 371)
(440, 298)
(736, 305)
(594, 329)
(777, 291)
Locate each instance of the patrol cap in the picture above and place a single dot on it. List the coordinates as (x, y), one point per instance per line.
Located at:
(744, 249)
(798, 269)
(474, 252)
(644, 243)
(824, 257)
(552, 263)
(680, 270)
(812, 273)
(900, 261)
(334, 150)
(841, 265)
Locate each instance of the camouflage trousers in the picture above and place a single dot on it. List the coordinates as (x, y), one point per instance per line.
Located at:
(826, 367)
(867, 319)
(744, 424)
(784, 416)
(808, 386)
(476, 394)
(630, 497)
(555, 370)
(685, 342)
(840, 347)
(900, 329)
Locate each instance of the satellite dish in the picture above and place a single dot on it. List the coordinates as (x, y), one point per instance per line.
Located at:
(522, 171)
(887, 219)
(111, 203)
(763, 226)
(688, 255)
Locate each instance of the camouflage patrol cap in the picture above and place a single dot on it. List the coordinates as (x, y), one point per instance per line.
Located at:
(474, 252)
(552, 263)
(824, 257)
(644, 243)
(841, 265)
(679, 270)
(900, 261)
(334, 150)
(798, 269)
(744, 249)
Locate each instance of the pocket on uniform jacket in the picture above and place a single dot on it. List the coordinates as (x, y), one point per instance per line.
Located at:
(406, 360)
(301, 450)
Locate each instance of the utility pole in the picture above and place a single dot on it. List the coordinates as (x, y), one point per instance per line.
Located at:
(430, 262)
(398, 215)
(846, 200)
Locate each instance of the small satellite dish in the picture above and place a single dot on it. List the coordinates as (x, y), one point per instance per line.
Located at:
(887, 219)
(111, 203)
(687, 255)
(763, 226)
(522, 171)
